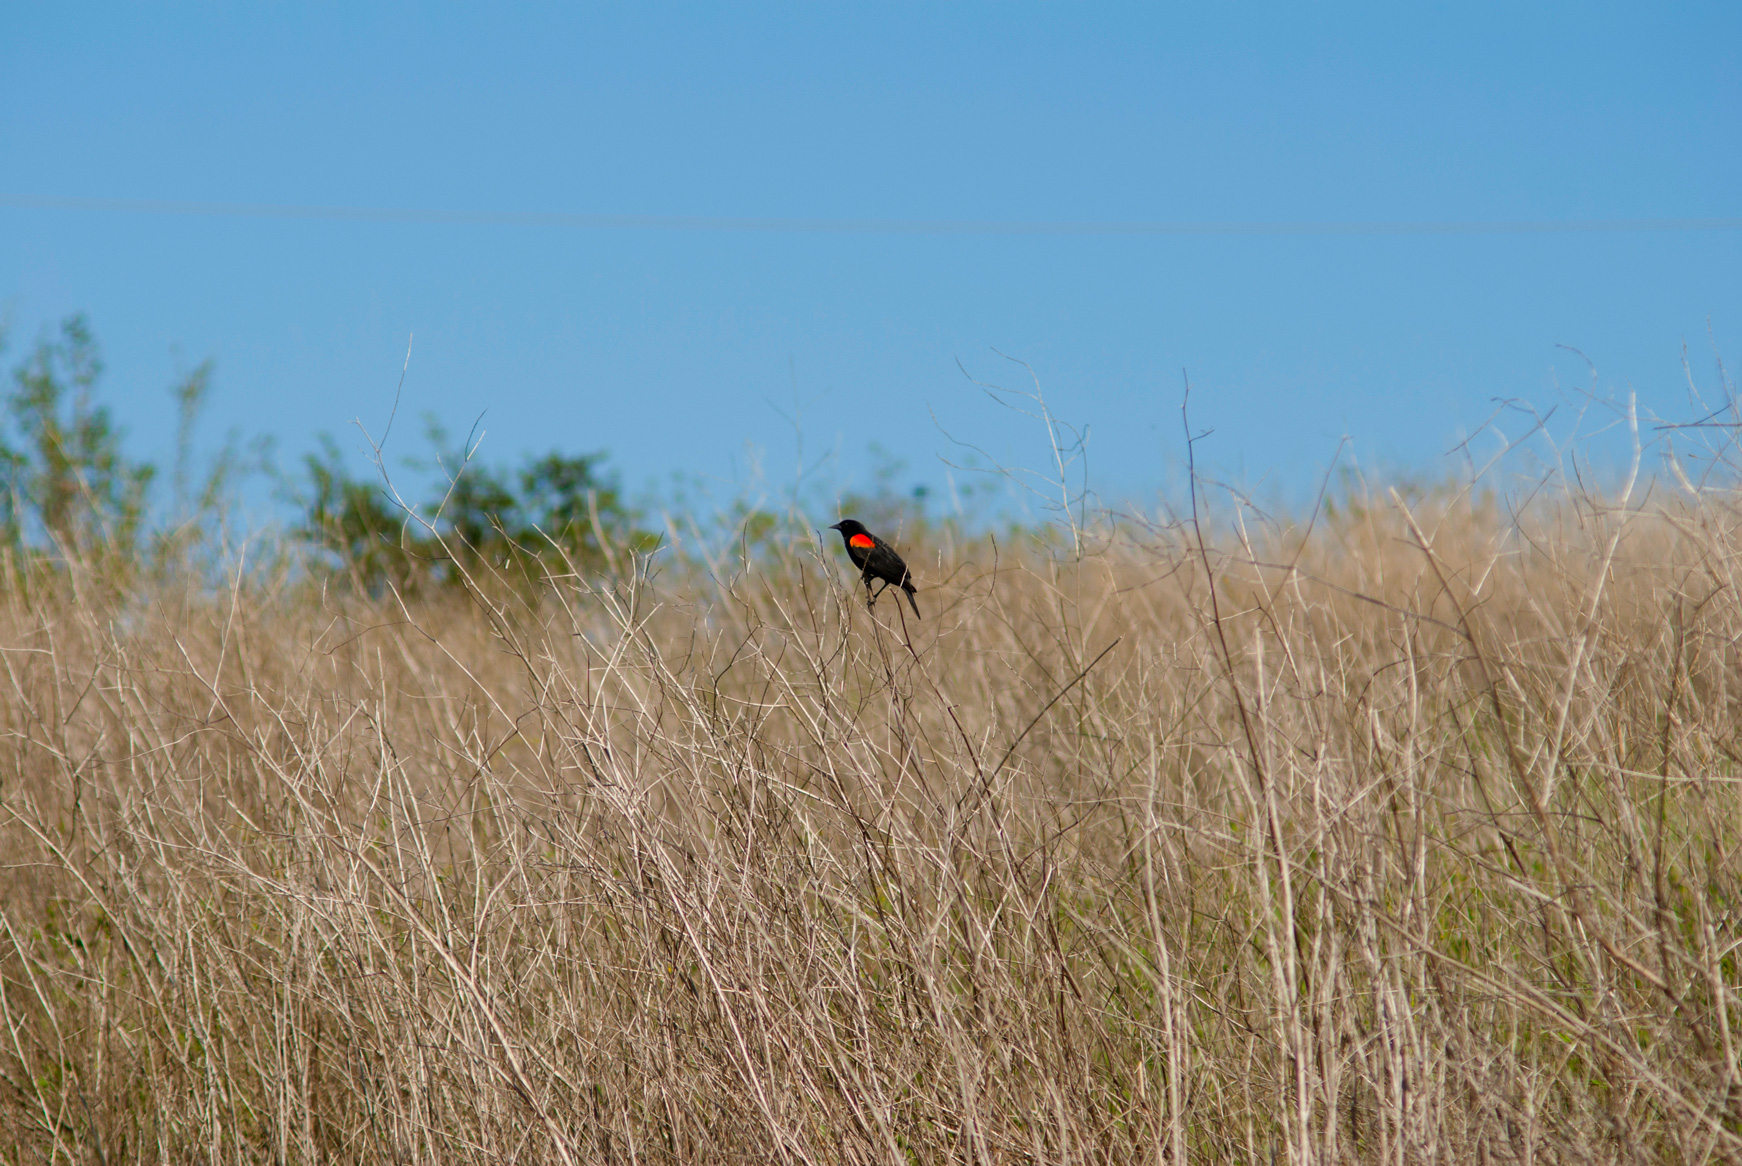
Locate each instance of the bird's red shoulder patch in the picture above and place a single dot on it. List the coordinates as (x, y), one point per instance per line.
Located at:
(861, 540)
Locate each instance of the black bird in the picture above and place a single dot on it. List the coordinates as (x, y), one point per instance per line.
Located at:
(875, 559)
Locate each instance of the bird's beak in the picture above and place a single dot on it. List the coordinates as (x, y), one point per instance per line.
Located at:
(837, 526)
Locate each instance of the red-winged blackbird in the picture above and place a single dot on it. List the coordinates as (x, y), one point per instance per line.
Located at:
(875, 559)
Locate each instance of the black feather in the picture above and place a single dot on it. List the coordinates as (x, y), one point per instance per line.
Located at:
(877, 561)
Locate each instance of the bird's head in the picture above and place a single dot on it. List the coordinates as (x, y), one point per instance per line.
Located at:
(849, 527)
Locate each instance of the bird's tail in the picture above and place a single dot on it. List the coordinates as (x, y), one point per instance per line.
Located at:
(908, 588)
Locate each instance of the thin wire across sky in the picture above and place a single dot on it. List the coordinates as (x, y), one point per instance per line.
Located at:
(778, 225)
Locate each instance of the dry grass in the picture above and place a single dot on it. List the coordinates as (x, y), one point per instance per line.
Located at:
(1417, 844)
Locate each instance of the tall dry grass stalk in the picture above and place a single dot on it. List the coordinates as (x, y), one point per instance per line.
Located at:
(1410, 840)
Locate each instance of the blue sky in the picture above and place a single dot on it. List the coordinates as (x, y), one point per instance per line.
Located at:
(690, 350)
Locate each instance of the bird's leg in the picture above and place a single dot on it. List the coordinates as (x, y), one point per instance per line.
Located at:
(870, 599)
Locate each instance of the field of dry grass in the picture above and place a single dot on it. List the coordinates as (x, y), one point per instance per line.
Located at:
(1412, 838)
